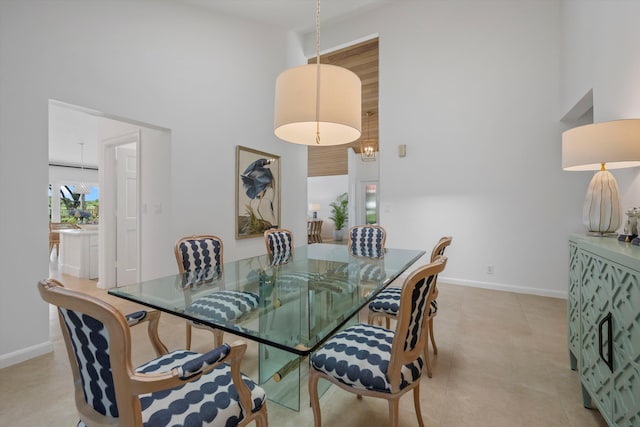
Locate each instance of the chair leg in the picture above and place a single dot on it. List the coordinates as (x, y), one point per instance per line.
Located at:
(427, 359)
(188, 334)
(370, 317)
(433, 340)
(388, 321)
(393, 412)
(416, 403)
(218, 337)
(262, 420)
(313, 397)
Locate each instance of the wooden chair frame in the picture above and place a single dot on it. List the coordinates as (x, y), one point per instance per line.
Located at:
(218, 335)
(128, 383)
(399, 357)
(438, 250)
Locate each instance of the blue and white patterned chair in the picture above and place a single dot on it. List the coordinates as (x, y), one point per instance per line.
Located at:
(387, 303)
(373, 361)
(367, 241)
(178, 388)
(200, 261)
(279, 242)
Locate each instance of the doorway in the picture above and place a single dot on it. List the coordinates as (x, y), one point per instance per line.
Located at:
(146, 183)
(119, 224)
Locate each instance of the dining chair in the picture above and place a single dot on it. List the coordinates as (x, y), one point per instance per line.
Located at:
(314, 231)
(387, 303)
(366, 241)
(369, 360)
(176, 388)
(279, 242)
(54, 234)
(200, 261)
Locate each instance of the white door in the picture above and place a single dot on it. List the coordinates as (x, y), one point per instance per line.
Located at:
(126, 216)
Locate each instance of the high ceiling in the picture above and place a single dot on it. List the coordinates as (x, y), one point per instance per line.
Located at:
(69, 127)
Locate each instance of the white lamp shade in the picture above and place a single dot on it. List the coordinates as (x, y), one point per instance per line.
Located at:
(313, 207)
(339, 108)
(615, 143)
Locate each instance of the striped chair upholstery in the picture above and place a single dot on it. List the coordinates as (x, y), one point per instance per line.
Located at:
(177, 388)
(200, 260)
(279, 242)
(369, 271)
(374, 361)
(225, 306)
(367, 241)
(387, 303)
(201, 254)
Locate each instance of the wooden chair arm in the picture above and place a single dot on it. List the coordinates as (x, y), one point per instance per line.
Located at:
(153, 317)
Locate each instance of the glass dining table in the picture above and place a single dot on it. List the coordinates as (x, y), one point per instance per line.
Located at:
(301, 302)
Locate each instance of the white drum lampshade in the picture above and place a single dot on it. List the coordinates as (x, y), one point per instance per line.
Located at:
(306, 107)
(601, 146)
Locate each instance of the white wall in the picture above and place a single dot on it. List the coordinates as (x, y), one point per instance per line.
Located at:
(473, 89)
(208, 79)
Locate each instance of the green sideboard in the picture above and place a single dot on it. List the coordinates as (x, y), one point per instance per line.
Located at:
(604, 325)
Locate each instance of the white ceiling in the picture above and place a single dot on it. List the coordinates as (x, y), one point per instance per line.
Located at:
(68, 127)
(297, 15)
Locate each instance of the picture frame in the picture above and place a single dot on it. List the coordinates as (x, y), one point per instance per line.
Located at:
(257, 192)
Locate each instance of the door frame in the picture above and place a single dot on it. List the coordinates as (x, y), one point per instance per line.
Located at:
(108, 204)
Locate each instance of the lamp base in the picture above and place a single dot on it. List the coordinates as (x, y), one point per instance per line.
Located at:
(602, 213)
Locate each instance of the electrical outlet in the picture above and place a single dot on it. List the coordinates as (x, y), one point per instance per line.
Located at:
(489, 269)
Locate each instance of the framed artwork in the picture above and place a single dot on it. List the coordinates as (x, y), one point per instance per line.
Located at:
(257, 192)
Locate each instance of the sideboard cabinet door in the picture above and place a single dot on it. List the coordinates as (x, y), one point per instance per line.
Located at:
(595, 305)
(604, 325)
(626, 353)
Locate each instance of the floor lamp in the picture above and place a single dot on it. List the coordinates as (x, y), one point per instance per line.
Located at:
(602, 146)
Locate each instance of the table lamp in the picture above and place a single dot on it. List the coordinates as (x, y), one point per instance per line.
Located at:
(314, 207)
(601, 146)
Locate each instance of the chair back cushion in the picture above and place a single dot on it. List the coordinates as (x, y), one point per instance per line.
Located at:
(90, 341)
(419, 309)
(203, 256)
(367, 241)
(279, 244)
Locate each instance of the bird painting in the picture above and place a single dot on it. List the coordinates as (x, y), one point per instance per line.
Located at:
(256, 180)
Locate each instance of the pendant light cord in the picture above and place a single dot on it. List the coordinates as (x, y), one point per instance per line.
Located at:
(318, 72)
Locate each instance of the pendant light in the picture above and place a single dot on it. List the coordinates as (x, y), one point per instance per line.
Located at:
(368, 146)
(82, 188)
(318, 104)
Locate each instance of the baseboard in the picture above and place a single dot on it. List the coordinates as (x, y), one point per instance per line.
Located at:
(25, 354)
(502, 287)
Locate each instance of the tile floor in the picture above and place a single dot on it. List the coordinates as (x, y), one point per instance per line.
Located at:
(502, 361)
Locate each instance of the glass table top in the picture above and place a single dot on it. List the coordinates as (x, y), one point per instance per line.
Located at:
(294, 306)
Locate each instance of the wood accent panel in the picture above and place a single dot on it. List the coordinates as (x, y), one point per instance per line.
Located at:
(362, 59)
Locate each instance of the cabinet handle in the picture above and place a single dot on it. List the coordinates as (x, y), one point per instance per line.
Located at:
(609, 359)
